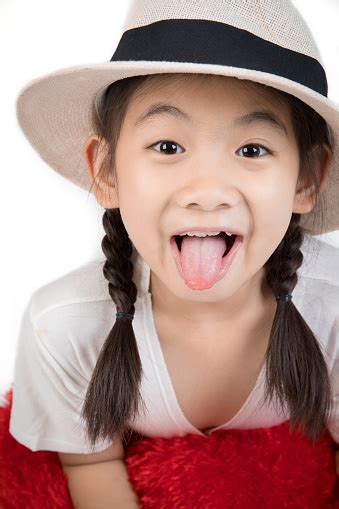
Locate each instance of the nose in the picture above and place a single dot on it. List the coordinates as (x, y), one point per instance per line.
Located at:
(208, 193)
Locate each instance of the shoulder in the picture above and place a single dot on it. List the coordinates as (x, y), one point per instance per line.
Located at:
(317, 294)
(65, 315)
(84, 287)
(73, 314)
(321, 260)
(318, 283)
(83, 284)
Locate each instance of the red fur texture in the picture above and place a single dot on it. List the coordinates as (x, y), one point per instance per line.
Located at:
(244, 469)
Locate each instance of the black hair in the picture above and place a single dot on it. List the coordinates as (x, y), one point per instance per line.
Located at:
(296, 368)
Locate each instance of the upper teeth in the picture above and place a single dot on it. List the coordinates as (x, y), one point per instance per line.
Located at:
(202, 234)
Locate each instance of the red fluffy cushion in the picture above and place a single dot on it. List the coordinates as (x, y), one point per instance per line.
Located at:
(243, 469)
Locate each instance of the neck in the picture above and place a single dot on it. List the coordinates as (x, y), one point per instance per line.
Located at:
(198, 322)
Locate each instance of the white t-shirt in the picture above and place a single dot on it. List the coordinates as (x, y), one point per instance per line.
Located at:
(67, 321)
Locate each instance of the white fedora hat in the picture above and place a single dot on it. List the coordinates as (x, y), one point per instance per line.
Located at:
(266, 41)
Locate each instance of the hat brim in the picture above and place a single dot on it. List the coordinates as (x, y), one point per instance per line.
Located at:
(54, 112)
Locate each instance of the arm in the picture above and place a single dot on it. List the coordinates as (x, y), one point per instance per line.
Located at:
(101, 485)
(99, 480)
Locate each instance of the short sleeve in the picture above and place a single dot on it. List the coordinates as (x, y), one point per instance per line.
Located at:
(333, 425)
(49, 387)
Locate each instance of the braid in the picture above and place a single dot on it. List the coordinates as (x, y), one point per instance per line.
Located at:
(296, 369)
(113, 395)
(118, 268)
(286, 259)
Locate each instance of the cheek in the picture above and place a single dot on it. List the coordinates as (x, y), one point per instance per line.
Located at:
(271, 211)
(136, 177)
(141, 216)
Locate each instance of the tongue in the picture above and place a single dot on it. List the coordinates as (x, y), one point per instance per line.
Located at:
(201, 259)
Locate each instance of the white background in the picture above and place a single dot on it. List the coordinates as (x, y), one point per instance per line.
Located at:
(48, 225)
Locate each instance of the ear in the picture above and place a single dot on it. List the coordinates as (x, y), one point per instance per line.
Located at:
(304, 199)
(105, 189)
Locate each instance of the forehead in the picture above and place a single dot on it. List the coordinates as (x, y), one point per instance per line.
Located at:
(183, 84)
(200, 95)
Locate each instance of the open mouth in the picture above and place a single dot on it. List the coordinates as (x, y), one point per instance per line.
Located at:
(229, 240)
(195, 270)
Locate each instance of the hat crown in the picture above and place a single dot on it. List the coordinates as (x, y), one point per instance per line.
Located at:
(277, 21)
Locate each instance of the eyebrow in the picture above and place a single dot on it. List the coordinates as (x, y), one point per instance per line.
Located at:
(260, 116)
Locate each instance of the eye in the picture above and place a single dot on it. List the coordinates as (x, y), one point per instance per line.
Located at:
(252, 149)
(169, 146)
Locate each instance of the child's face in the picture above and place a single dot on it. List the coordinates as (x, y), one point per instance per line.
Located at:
(206, 178)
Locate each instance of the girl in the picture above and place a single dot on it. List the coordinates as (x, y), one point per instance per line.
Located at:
(211, 143)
